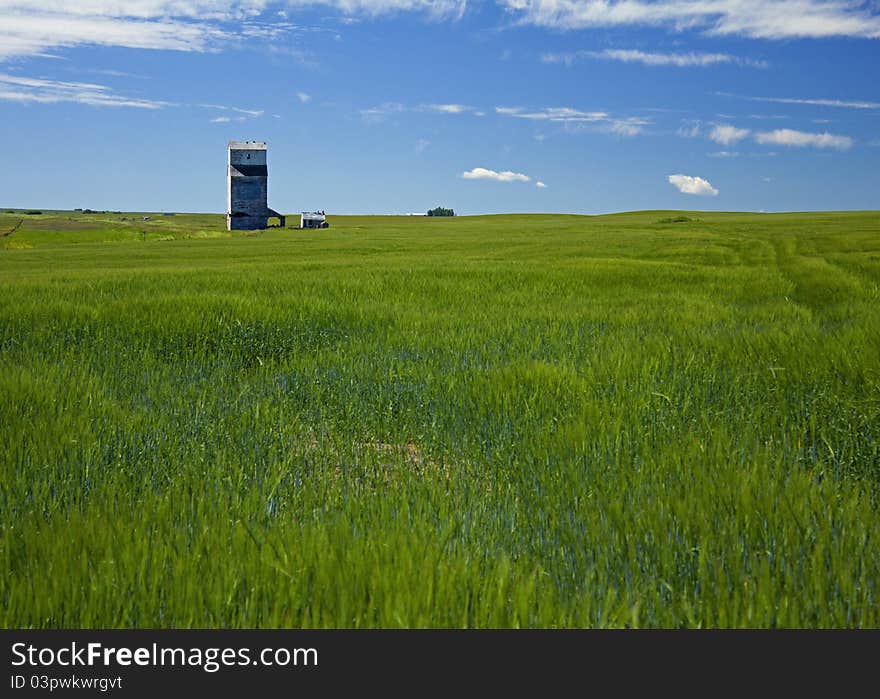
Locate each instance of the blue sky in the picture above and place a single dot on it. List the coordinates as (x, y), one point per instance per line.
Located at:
(394, 106)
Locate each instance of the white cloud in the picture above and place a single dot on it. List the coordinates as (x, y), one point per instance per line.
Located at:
(723, 154)
(765, 19)
(375, 114)
(14, 88)
(686, 184)
(690, 129)
(238, 110)
(540, 185)
(33, 30)
(576, 120)
(481, 173)
(379, 112)
(437, 9)
(558, 114)
(568, 58)
(303, 97)
(763, 117)
(801, 139)
(726, 134)
(678, 60)
(220, 120)
(846, 104)
(34, 27)
(626, 127)
(449, 108)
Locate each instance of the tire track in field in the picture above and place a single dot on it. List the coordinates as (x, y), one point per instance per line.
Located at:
(11, 230)
(818, 282)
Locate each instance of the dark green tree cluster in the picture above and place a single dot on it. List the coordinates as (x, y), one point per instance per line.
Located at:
(440, 211)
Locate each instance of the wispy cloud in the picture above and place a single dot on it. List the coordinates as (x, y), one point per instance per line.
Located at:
(35, 27)
(569, 117)
(677, 60)
(691, 128)
(238, 110)
(303, 97)
(449, 108)
(779, 19)
(725, 134)
(14, 88)
(762, 117)
(723, 154)
(378, 113)
(540, 185)
(114, 73)
(687, 184)
(631, 126)
(557, 114)
(579, 120)
(481, 173)
(422, 145)
(815, 102)
(32, 29)
(803, 139)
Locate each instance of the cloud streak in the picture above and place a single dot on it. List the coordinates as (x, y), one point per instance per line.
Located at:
(15, 88)
(578, 119)
(845, 104)
(803, 139)
(677, 60)
(449, 108)
(35, 27)
(246, 112)
(378, 113)
(557, 114)
(33, 31)
(758, 19)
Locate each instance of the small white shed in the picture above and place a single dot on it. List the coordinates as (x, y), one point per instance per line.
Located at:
(313, 219)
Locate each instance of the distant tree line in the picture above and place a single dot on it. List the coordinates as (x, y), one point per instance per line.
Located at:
(440, 211)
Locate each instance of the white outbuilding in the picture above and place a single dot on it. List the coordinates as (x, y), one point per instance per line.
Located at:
(313, 219)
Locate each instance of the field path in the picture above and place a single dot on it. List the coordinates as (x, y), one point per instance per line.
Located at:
(11, 230)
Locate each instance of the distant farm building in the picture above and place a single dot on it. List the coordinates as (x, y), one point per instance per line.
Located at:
(247, 204)
(313, 219)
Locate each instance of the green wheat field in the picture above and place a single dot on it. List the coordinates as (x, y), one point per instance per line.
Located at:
(653, 419)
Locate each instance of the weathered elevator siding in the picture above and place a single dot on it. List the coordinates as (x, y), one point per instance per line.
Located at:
(247, 193)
